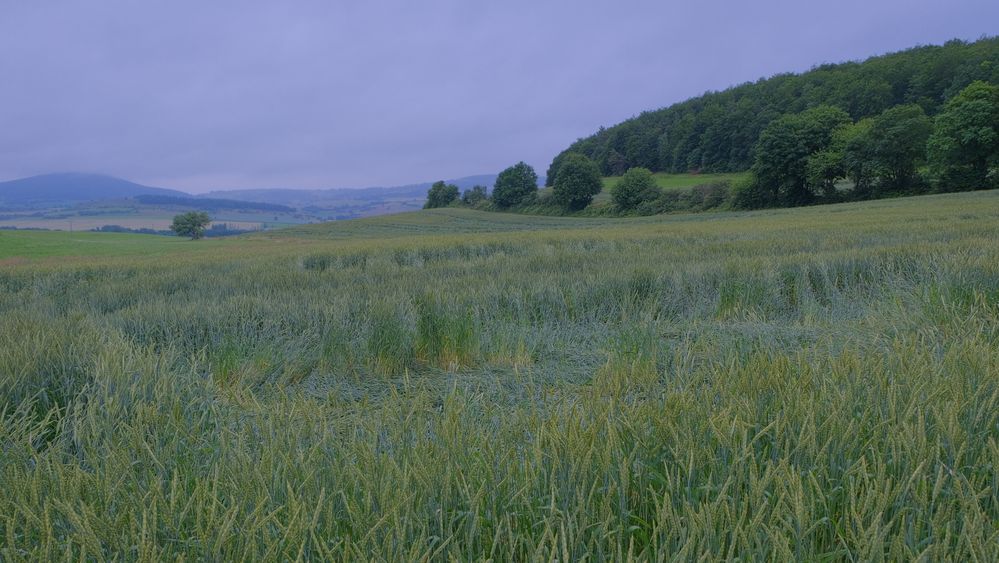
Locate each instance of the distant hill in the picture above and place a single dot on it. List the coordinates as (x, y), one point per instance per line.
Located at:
(70, 188)
(718, 131)
(338, 197)
(211, 204)
(74, 190)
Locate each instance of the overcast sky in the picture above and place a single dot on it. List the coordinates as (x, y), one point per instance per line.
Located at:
(210, 94)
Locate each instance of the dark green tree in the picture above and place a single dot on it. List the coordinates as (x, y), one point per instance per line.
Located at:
(823, 169)
(576, 182)
(474, 196)
(441, 195)
(897, 143)
(515, 185)
(750, 194)
(781, 166)
(965, 141)
(636, 187)
(553, 168)
(858, 160)
(191, 224)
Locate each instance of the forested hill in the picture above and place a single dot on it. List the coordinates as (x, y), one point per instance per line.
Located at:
(718, 131)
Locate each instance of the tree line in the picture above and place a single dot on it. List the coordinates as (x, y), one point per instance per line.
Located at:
(719, 131)
(822, 155)
(514, 186)
(924, 119)
(819, 155)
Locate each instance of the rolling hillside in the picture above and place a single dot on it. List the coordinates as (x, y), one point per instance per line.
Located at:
(62, 189)
(69, 201)
(717, 132)
(410, 194)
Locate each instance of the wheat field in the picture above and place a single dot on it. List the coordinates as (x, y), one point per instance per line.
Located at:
(807, 384)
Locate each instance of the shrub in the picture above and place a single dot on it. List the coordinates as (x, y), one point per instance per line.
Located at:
(709, 196)
(750, 194)
(636, 187)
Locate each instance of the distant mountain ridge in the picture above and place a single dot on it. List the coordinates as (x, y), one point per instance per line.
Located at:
(73, 187)
(319, 197)
(70, 189)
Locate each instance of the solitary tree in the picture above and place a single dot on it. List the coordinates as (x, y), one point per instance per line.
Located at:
(577, 181)
(965, 142)
(441, 195)
(191, 224)
(635, 187)
(515, 185)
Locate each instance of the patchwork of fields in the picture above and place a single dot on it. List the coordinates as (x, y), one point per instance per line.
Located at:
(798, 384)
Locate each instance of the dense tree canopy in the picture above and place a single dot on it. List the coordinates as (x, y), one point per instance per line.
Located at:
(441, 195)
(802, 158)
(896, 143)
(578, 180)
(191, 224)
(783, 153)
(717, 132)
(515, 185)
(965, 143)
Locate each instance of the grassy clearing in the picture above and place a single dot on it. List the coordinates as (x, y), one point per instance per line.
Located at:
(681, 186)
(132, 214)
(803, 384)
(681, 181)
(49, 244)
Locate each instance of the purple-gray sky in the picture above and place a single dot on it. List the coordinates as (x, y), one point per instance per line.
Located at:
(201, 95)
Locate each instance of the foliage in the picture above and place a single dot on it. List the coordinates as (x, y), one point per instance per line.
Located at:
(802, 157)
(781, 169)
(191, 224)
(554, 167)
(516, 185)
(577, 181)
(965, 143)
(858, 159)
(810, 384)
(441, 195)
(474, 196)
(823, 169)
(877, 155)
(717, 132)
(897, 144)
(636, 187)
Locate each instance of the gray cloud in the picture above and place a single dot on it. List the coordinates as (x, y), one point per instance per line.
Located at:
(226, 94)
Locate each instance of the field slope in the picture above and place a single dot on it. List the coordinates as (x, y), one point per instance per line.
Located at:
(800, 384)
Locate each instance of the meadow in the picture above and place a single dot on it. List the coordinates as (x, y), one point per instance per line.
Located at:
(686, 193)
(138, 217)
(681, 181)
(798, 384)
